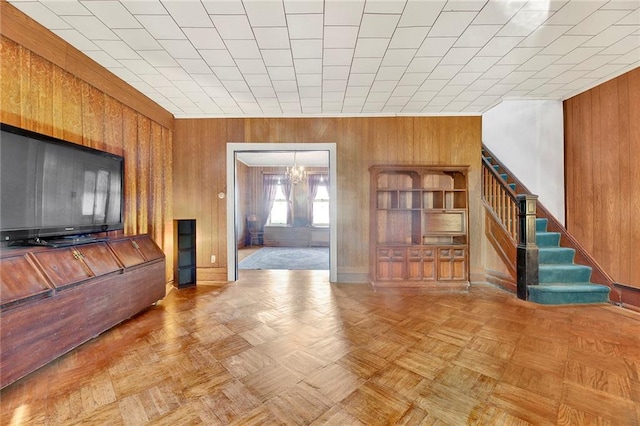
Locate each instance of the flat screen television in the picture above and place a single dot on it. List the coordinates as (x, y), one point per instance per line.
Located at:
(51, 189)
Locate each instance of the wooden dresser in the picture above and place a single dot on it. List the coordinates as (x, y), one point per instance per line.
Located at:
(53, 300)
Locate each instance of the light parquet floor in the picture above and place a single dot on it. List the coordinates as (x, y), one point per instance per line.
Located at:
(287, 347)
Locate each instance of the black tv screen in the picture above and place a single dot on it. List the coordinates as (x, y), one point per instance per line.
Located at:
(52, 188)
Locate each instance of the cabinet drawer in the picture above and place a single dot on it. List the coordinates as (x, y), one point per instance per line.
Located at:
(99, 259)
(63, 267)
(21, 280)
(127, 252)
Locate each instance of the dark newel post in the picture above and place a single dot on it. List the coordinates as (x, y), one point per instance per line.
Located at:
(527, 260)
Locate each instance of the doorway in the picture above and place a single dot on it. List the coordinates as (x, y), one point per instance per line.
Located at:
(232, 217)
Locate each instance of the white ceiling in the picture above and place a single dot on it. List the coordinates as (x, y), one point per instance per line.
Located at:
(349, 57)
(284, 158)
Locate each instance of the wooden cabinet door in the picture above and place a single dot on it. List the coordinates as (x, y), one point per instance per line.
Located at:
(127, 252)
(63, 267)
(20, 279)
(429, 264)
(452, 264)
(99, 258)
(148, 248)
(414, 264)
(391, 264)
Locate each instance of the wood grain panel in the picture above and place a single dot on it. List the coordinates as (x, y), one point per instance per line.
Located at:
(601, 145)
(142, 163)
(10, 82)
(130, 144)
(41, 93)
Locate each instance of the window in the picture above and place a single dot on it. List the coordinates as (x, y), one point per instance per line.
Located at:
(321, 206)
(278, 215)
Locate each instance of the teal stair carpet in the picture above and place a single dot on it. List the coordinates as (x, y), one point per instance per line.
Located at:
(294, 258)
(560, 280)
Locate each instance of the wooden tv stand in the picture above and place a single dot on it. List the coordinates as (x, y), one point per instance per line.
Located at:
(53, 300)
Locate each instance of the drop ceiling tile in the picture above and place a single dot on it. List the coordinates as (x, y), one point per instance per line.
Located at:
(310, 80)
(377, 26)
(441, 100)
(483, 84)
(288, 97)
(161, 27)
(138, 39)
(433, 85)
(124, 73)
(306, 49)
(76, 39)
(156, 80)
(172, 92)
(269, 102)
(334, 85)
(517, 77)
(424, 96)
(451, 90)
(188, 86)
(398, 57)
(524, 23)
(385, 6)
(311, 102)
(233, 27)
(281, 73)
(390, 73)
(383, 86)
(104, 58)
(340, 37)
(497, 12)
(424, 65)
(113, 14)
(188, 13)
(117, 49)
(459, 55)
(563, 45)
(204, 38)
(372, 107)
(567, 77)
(356, 92)
(332, 97)
(67, 7)
(578, 55)
(610, 36)
(405, 90)
(282, 86)
(445, 71)
(265, 13)
(138, 66)
(531, 84)
(305, 26)
(436, 46)
(258, 80)
(223, 7)
(354, 102)
(335, 72)
(623, 46)
(338, 56)
(227, 73)
(456, 106)
(206, 80)
(307, 6)
(194, 66)
(499, 46)
(499, 71)
(630, 57)
(397, 101)
(308, 66)
(272, 38)
(480, 64)
(593, 63)
(310, 92)
(181, 49)
(420, 13)
(371, 47)
(552, 71)
(407, 38)
(279, 57)
(365, 80)
(544, 35)
(378, 96)
(631, 19)
(597, 22)
(477, 35)
(263, 92)
(343, 12)
(465, 78)
(91, 27)
(574, 12)
(219, 58)
(413, 79)
(451, 24)
(468, 95)
(519, 55)
(539, 62)
(175, 73)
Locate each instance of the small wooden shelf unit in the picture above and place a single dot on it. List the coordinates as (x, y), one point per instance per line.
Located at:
(419, 227)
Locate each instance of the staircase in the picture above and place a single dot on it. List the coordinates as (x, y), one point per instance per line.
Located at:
(560, 279)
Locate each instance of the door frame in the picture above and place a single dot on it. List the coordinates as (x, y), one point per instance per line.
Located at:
(232, 220)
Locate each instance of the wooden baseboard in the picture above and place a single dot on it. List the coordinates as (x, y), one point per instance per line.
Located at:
(501, 280)
(629, 296)
(353, 276)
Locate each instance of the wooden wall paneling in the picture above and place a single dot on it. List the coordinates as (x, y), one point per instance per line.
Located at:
(41, 94)
(10, 89)
(130, 153)
(71, 88)
(156, 169)
(634, 175)
(93, 117)
(142, 173)
(26, 103)
(167, 200)
(218, 161)
(58, 100)
(624, 176)
(113, 129)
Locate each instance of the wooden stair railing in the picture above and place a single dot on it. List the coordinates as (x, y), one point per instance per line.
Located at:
(598, 275)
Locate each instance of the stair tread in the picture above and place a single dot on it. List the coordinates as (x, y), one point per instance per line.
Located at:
(571, 287)
(563, 266)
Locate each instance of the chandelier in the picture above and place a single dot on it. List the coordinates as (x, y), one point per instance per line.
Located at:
(295, 174)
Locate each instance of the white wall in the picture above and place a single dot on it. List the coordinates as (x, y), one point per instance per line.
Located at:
(528, 138)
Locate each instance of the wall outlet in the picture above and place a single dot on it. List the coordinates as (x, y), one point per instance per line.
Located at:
(213, 258)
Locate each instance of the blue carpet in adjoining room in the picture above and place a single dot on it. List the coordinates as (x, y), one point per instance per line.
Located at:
(313, 258)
